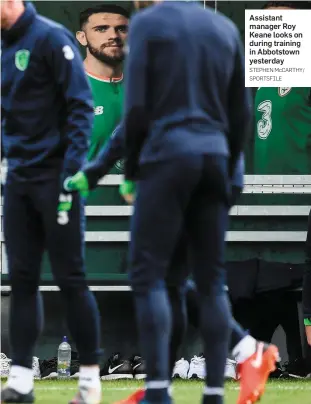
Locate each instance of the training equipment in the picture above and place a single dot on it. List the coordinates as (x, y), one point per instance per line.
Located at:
(139, 367)
(5, 365)
(231, 370)
(48, 368)
(254, 372)
(181, 369)
(197, 368)
(64, 359)
(117, 368)
(36, 368)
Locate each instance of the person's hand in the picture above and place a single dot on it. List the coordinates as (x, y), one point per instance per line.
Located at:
(78, 182)
(307, 322)
(127, 190)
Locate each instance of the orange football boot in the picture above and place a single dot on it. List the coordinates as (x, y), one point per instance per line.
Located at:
(254, 372)
(134, 398)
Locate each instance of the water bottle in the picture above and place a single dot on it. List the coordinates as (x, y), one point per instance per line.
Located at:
(64, 360)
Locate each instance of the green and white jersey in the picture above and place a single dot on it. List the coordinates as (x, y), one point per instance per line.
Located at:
(283, 131)
(108, 98)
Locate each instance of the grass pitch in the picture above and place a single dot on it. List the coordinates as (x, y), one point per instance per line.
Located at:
(184, 392)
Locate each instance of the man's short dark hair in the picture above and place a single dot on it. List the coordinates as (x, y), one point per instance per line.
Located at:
(298, 5)
(102, 8)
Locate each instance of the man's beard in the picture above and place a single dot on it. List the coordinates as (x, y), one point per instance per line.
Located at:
(99, 54)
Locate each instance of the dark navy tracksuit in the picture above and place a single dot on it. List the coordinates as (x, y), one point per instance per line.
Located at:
(187, 115)
(47, 114)
(176, 274)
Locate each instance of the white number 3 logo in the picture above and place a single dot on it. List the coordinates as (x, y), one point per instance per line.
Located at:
(264, 125)
(63, 218)
(68, 52)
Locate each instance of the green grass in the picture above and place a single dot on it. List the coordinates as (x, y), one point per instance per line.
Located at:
(184, 392)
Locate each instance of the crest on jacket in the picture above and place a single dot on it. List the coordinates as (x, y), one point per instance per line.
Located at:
(119, 165)
(22, 59)
(284, 91)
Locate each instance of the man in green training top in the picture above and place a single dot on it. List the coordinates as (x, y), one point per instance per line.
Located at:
(283, 142)
(103, 32)
(283, 131)
(283, 122)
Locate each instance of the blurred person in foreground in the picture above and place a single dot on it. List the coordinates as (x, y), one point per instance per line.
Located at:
(47, 114)
(183, 159)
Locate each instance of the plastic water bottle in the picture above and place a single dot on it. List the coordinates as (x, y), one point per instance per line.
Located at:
(64, 360)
